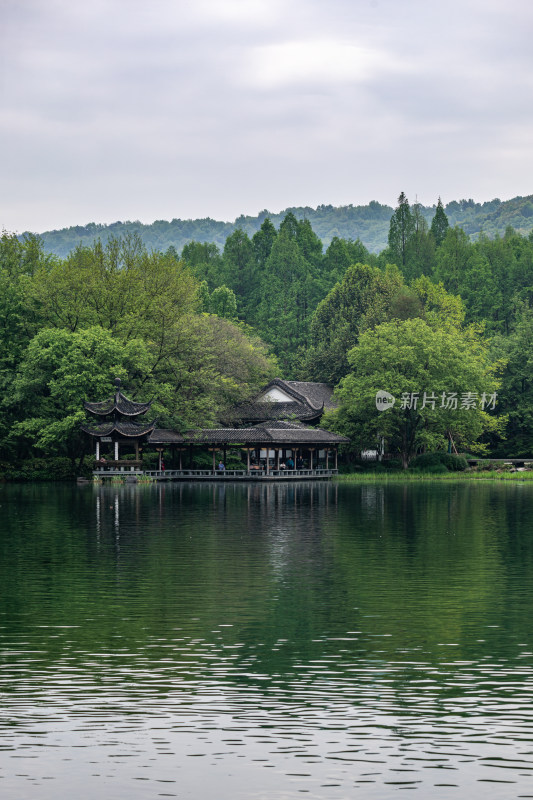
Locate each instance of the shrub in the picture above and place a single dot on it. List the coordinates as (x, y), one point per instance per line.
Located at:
(453, 463)
(392, 463)
(42, 469)
(431, 461)
(425, 460)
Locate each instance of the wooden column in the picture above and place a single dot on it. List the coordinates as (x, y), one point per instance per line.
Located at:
(277, 458)
(248, 459)
(311, 457)
(327, 457)
(97, 453)
(336, 458)
(214, 459)
(181, 451)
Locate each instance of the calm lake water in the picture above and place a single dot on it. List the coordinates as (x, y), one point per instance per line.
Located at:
(251, 642)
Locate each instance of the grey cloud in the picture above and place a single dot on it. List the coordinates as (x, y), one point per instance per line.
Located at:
(120, 109)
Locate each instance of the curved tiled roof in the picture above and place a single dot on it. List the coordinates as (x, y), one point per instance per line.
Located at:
(165, 436)
(260, 411)
(317, 395)
(118, 403)
(131, 430)
(268, 433)
(309, 401)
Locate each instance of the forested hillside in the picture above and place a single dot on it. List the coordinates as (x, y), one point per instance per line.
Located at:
(369, 223)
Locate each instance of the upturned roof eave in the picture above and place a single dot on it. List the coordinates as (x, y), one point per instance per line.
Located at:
(124, 406)
(118, 428)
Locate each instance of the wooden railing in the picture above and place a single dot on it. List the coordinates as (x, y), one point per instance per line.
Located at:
(239, 473)
(109, 469)
(117, 466)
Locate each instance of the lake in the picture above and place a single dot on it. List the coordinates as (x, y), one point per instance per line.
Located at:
(266, 642)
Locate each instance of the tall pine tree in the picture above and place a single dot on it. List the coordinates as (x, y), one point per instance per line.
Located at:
(401, 231)
(439, 224)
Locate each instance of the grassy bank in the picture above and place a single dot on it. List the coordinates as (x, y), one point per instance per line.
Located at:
(415, 476)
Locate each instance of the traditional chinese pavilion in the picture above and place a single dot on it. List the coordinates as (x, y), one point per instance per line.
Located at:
(264, 447)
(118, 423)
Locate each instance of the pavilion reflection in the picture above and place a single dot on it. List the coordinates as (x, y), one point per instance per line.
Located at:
(123, 508)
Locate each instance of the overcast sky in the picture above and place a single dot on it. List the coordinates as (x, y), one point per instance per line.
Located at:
(154, 109)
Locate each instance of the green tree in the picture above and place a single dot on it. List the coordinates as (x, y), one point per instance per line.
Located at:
(262, 242)
(289, 226)
(516, 395)
(452, 259)
(309, 243)
(203, 259)
(121, 287)
(204, 297)
(421, 366)
(341, 254)
(440, 309)
(60, 370)
(482, 294)
(521, 262)
(420, 255)
(239, 267)
(214, 364)
(499, 254)
(20, 260)
(439, 224)
(286, 298)
(223, 303)
(357, 251)
(365, 297)
(401, 231)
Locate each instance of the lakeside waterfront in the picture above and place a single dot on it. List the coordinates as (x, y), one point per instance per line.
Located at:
(371, 476)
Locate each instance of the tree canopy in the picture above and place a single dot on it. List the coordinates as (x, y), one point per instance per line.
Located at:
(442, 380)
(69, 327)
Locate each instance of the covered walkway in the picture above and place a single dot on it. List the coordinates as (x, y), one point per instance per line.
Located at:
(271, 451)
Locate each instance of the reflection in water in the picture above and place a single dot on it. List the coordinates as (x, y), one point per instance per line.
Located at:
(263, 641)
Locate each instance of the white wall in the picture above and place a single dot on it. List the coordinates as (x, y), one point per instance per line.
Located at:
(276, 395)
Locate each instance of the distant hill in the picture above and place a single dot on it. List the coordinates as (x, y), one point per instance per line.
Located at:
(368, 223)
